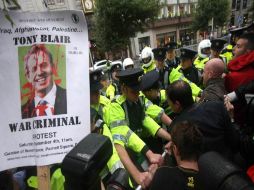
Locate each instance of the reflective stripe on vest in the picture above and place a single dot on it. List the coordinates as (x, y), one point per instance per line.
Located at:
(116, 165)
(123, 138)
(106, 170)
(128, 135)
(158, 118)
(99, 123)
(117, 123)
(148, 103)
(119, 138)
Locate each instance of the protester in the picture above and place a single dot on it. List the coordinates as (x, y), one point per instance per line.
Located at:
(186, 147)
(211, 118)
(213, 81)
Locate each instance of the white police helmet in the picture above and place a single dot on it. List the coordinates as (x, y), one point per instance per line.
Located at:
(127, 62)
(201, 46)
(147, 56)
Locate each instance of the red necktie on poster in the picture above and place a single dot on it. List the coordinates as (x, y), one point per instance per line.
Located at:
(41, 107)
(44, 108)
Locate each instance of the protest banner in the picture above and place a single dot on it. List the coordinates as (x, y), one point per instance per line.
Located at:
(44, 83)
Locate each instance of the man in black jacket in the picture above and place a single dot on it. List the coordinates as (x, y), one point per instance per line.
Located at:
(186, 148)
(211, 117)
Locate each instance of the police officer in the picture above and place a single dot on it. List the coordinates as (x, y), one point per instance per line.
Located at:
(114, 87)
(147, 59)
(97, 105)
(105, 81)
(128, 63)
(187, 68)
(97, 101)
(216, 47)
(161, 67)
(114, 163)
(151, 89)
(128, 122)
(169, 75)
(171, 59)
(204, 51)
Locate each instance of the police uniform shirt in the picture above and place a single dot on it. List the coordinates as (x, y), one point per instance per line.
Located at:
(192, 74)
(176, 61)
(164, 75)
(173, 63)
(135, 114)
(176, 178)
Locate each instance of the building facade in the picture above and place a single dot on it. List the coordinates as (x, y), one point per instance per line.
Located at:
(173, 24)
(240, 12)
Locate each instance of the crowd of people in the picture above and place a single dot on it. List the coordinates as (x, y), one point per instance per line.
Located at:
(186, 106)
(163, 116)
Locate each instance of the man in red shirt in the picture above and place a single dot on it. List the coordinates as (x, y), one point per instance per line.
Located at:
(241, 69)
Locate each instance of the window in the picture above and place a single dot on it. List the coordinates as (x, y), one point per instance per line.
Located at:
(232, 20)
(143, 42)
(233, 4)
(193, 8)
(186, 9)
(181, 10)
(165, 38)
(238, 5)
(102, 63)
(50, 2)
(245, 2)
(245, 18)
(171, 12)
(187, 37)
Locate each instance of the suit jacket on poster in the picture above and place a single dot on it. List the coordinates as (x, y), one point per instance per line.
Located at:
(60, 107)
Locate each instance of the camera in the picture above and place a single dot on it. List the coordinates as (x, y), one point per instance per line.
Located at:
(217, 173)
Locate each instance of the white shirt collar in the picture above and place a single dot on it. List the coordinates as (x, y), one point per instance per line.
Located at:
(50, 97)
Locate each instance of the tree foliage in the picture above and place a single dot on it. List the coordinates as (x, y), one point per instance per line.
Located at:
(219, 10)
(118, 20)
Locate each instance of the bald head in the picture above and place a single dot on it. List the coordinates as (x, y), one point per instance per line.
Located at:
(214, 68)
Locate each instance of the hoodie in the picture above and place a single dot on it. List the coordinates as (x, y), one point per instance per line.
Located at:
(241, 71)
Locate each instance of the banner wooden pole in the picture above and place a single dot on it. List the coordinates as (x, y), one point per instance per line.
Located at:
(43, 176)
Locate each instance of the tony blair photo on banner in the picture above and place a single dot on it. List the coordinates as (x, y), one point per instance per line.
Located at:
(42, 71)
